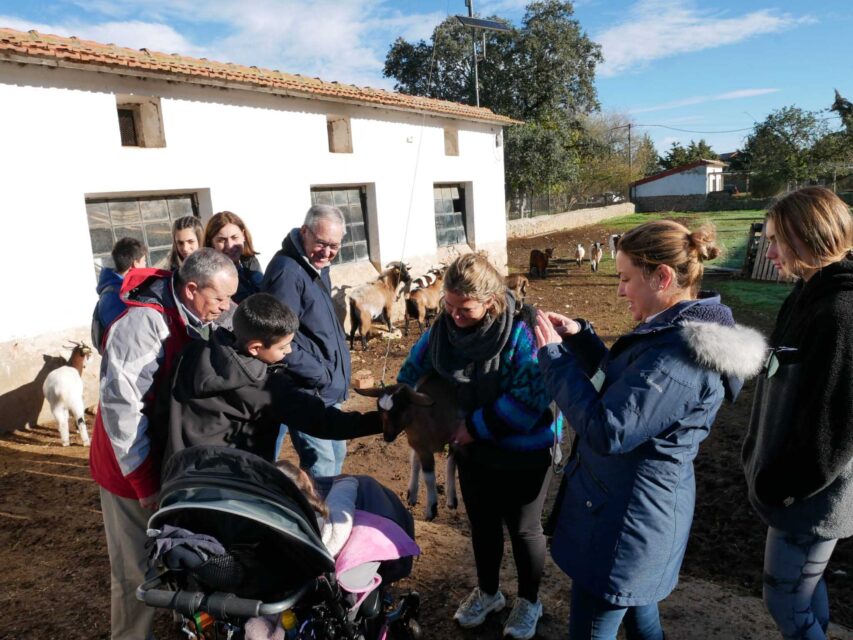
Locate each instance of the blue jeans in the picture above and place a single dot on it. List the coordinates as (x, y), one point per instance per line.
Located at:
(317, 456)
(794, 588)
(592, 618)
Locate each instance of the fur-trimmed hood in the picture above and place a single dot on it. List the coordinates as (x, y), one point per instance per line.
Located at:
(731, 351)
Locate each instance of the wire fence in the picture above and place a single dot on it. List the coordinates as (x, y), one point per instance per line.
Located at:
(533, 205)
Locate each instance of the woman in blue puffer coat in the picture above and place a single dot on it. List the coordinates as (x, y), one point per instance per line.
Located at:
(640, 410)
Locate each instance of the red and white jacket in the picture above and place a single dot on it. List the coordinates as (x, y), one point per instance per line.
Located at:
(141, 347)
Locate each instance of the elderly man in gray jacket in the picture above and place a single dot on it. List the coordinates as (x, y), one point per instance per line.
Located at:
(165, 312)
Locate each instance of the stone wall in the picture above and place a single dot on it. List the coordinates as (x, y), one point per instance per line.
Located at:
(541, 225)
(711, 202)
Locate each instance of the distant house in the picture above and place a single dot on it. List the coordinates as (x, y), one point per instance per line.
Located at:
(700, 177)
(100, 142)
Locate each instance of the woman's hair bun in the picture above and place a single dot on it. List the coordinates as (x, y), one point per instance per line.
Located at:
(703, 241)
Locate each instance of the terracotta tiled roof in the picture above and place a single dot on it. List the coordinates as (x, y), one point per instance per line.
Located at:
(40, 48)
(678, 169)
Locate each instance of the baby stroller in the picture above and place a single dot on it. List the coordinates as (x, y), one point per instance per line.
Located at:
(235, 539)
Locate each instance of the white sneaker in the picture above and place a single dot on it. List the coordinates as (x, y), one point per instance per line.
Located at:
(474, 609)
(523, 619)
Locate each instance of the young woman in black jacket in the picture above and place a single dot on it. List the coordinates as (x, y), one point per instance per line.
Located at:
(798, 453)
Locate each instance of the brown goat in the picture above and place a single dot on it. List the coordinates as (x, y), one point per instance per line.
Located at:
(422, 304)
(429, 414)
(539, 262)
(375, 299)
(517, 283)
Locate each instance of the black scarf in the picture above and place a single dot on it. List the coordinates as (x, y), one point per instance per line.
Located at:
(471, 358)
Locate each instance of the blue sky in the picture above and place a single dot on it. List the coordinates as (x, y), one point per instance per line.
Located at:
(699, 66)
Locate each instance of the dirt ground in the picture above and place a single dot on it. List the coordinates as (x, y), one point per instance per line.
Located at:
(55, 571)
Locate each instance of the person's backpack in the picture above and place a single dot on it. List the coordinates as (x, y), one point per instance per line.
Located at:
(98, 327)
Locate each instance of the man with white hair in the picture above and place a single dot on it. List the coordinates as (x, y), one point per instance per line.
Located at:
(165, 312)
(298, 275)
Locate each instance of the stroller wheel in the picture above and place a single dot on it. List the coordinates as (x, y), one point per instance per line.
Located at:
(414, 630)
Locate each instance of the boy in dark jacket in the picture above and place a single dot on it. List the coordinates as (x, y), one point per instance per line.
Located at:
(232, 391)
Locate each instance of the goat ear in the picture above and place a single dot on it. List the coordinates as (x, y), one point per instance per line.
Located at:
(421, 399)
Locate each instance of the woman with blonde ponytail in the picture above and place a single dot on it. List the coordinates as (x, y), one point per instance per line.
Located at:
(640, 409)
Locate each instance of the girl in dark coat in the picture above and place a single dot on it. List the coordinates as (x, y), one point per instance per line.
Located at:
(226, 232)
(639, 410)
(798, 454)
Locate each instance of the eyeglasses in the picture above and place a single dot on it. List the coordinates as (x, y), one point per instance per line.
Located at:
(323, 244)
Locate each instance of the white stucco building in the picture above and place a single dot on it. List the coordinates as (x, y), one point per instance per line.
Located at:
(695, 178)
(100, 142)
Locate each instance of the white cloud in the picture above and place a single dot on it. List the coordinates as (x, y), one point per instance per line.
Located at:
(655, 29)
(343, 40)
(133, 34)
(685, 102)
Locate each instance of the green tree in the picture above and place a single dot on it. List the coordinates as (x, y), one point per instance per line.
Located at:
(784, 149)
(541, 72)
(546, 64)
(679, 155)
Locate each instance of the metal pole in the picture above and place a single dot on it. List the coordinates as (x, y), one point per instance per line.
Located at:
(470, 5)
(630, 159)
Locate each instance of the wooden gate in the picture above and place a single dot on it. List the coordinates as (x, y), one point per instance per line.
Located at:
(756, 265)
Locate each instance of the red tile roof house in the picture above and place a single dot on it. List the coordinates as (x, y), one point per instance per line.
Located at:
(685, 187)
(101, 141)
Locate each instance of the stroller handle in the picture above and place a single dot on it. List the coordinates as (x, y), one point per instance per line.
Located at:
(218, 604)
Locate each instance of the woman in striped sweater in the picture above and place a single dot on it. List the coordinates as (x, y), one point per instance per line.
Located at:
(483, 343)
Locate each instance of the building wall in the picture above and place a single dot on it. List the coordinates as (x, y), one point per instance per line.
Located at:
(252, 153)
(690, 182)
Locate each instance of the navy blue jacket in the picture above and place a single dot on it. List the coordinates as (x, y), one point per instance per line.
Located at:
(640, 411)
(320, 359)
(110, 304)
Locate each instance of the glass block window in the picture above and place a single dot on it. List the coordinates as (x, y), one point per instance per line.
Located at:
(449, 202)
(147, 219)
(352, 201)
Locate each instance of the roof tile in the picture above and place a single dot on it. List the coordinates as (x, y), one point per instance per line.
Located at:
(84, 52)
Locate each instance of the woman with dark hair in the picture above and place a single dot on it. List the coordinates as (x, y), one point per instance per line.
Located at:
(798, 453)
(640, 409)
(226, 232)
(483, 343)
(187, 234)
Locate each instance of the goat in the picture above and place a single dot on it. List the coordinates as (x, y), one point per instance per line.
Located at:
(539, 262)
(375, 299)
(429, 414)
(579, 254)
(614, 244)
(422, 303)
(595, 254)
(422, 282)
(63, 390)
(517, 284)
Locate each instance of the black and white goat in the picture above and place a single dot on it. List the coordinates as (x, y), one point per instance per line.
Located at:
(580, 252)
(429, 415)
(375, 299)
(63, 390)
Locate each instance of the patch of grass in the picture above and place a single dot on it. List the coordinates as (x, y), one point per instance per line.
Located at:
(732, 229)
(753, 301)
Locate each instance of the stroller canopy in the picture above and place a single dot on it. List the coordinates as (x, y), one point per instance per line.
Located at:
(253, 509)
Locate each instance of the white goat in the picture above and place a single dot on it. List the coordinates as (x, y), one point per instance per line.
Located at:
(63, 390)
(579, 253)
(614, 243)
(429, 415)
(595, 254)
(375, 299)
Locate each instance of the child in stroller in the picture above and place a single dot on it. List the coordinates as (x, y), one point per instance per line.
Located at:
(235, 539)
